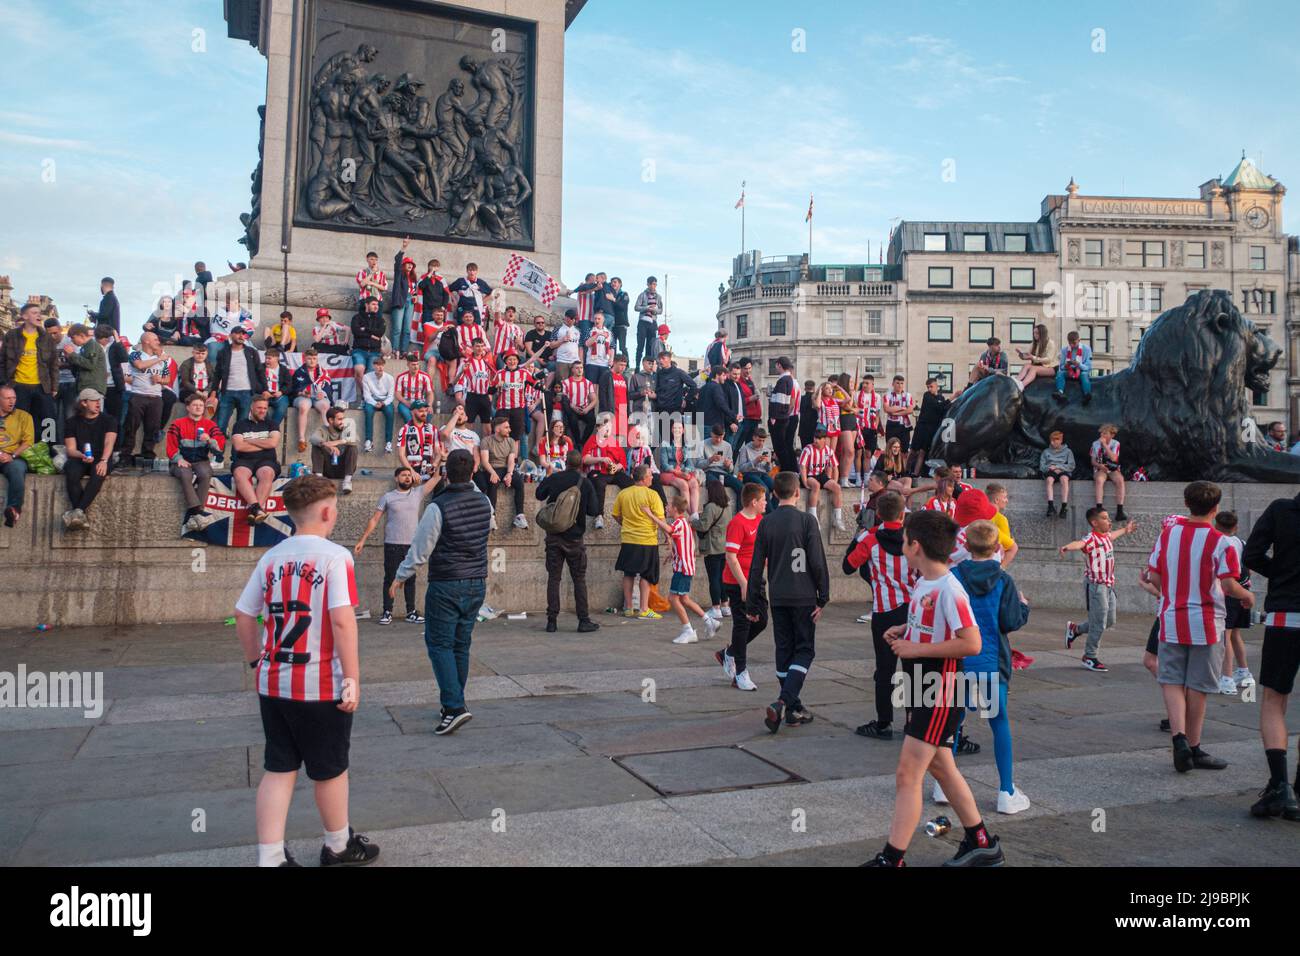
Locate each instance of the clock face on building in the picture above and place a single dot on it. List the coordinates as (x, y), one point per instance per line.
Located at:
(1256, 217)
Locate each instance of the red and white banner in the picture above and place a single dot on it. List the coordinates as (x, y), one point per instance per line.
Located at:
(525, 274)
(338, 372)
(232, 529)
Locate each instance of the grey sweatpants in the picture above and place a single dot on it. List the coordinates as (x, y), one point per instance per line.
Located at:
(1100, 601)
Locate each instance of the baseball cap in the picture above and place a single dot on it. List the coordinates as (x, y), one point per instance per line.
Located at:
(419, 403)
(320, 312)
(239, 330)
(664, 330)
(820, 432)
(973, 505)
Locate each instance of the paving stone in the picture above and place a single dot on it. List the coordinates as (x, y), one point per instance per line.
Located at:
(528, 710)
(663, 731)
(543, 785)
(34, 746)
(62, 781)
(713, 768)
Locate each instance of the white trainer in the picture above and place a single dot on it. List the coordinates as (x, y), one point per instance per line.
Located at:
(388, 448)
(1012, 802)
(838, 518)
(742, 681)
(711, 625)
(600, 522)
(728, 666)
(1227, 686)
(687, 636)
(864, 618)
(937, 795)
(726, 610)
(1243, 677)
(370, 446)
(347, 485)
(521, 522)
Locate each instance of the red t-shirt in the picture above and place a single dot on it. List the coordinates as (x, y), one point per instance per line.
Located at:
(741, 532)
(611, 450)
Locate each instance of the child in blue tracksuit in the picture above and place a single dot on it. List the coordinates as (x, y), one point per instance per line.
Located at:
(999, 609)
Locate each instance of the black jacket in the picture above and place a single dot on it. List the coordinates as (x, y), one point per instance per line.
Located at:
(256, 371)
(399, 292)
(793, 580)
(674, 389)
(461, 551)
(719, 404)
(1277, 529)
(553, 485)
(620, 309)
(433, 295)
(808, 408)
(368, 331)
(117, 355)
(109, 312)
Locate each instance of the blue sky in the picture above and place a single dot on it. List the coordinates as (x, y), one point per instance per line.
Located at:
(669, 105)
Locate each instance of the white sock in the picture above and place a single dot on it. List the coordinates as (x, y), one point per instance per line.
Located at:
(270, 854)
(337, 840)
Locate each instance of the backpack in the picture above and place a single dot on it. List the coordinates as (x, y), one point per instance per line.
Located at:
(449, 345)
(561, 513)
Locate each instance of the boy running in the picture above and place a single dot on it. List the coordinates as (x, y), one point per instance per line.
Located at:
(939, 632)
(308, 675)
(1099, 583)
(682, 536)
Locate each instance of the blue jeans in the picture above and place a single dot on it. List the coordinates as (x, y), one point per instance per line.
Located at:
(277, 409)
(399, 327)
(1085, 381)
(728, 480)
(404, 411)
(214, 352)
(450, 610)
(237, 402)
(764, 479)
(370, 420)
(15, 473)
(364, 359)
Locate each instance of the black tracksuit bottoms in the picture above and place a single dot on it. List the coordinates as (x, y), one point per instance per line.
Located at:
(795, 633)
(886, 661)
(743, 630)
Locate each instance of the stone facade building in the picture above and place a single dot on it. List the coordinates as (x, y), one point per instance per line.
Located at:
(1106, 266)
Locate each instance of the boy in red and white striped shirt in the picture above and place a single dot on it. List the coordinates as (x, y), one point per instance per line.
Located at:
(682, 536)
(1193, 566)
(308, 673)
(1099, 583)
(879, 549)
(411, 386)
(818, 469)
(371, 281)
(940, 632)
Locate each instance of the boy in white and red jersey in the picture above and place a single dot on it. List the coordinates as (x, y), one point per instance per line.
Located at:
(599, 350)
(818, 469)
(900, 406)
(682, 536)
(877, 554)
(507, 336)
(371, 281)
(940, 632)
(411, 386)
(1099, 583)
(475, 379)
(308, 674)
(1194, 566)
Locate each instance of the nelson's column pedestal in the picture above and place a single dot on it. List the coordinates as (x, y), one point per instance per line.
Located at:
(393, 118)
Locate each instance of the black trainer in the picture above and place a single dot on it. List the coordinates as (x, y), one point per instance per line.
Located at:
(414, 617)
(1051, 511)
(551, 626)
(1065, 506)
(358, 852)
(1203, 761)
(971, 854)
(967, 746)
(1119, 513)
(451, 721)
(881, 860)
(386, 618)
(1276, 800)
(1183, 759)
(289, 860)
(772, 719)
(1059, 396)
(587, 626)
(794, 718)
(1164, 725)
(876, 730)
(1094, 665)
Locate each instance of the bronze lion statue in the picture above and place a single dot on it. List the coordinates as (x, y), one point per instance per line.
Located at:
(1181, 406)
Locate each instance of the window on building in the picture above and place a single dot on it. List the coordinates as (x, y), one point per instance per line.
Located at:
(981, 330)
(1092, 300)
(1260, 301)
(1136, 298)
(771, 367)
(1100, 372)
(873, 275)
(1259, 398)
(1015, 242)
(834, 321)
(1156, 298)
(875, 367)
(833, 365)
(1191, 290)
(1257, 257)
(940, 277)
(742, 326)
(974, 242)
(941, 371)
(1022, 331)
(1194, 255)
(1092, 252)
(936, 242)
(776, 323)
(875, 322)
(1014, 370)
(1144, 254)
(834, 275)
(1096, 336)
(1022, 278)
(981, 277)
(940, 329)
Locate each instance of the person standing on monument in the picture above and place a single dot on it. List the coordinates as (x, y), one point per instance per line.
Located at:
(401, 300)
(469, 295)
(649, 306)
(372, 283)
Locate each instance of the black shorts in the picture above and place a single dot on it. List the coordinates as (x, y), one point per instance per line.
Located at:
(849, 422)
(478, 408)
(311, 732)
(1280, 659)
(935, 725)
(902, 432)
(870, 439)
(1153, 639)
(642, 559)
(821, 479)
(516, 417)
(254, 466)
(1237, 617)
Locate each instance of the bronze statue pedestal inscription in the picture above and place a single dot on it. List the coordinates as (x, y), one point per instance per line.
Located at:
(419, 121)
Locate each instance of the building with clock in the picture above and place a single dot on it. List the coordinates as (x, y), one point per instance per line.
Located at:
(1106, 266)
